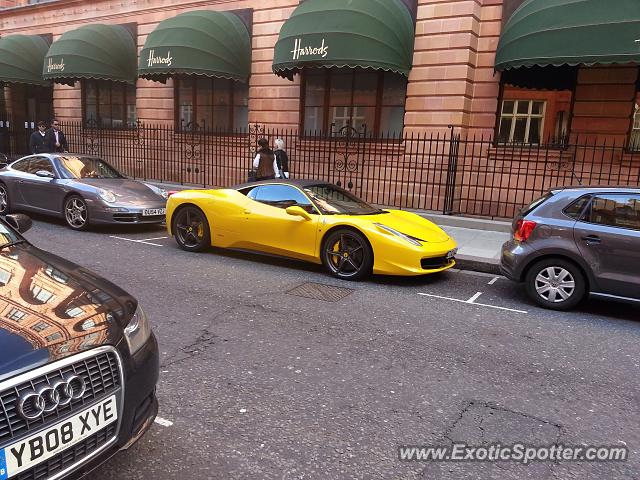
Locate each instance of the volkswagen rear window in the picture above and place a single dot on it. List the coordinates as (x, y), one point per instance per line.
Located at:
(535, 204)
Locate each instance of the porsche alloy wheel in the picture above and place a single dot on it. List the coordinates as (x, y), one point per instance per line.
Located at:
(191, 229)
(4, 200)
(347, 255)
(76, 213)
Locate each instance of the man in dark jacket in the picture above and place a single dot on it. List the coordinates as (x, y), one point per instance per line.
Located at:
(37, 141)
(55, 139)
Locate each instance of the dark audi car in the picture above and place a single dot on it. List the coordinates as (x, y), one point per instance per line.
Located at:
(577, 241)
(78, 364)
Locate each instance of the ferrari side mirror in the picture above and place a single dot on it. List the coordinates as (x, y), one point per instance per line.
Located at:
(297, 211)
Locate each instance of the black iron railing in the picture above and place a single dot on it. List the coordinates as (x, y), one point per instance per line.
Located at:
(448, 173)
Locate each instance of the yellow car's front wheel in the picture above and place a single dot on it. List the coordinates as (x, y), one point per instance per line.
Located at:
(191, 229)
(347, 254)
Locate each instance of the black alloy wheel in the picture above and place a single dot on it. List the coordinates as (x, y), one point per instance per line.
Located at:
(347, 255)
(556, 284)
(5, 206)
(191, 229)
(76, 212)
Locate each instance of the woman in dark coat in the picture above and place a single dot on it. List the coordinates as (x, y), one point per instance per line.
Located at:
(282, 160)
(265, 161)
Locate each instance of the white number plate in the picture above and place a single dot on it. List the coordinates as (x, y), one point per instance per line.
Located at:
(148, 212)
(37, 448)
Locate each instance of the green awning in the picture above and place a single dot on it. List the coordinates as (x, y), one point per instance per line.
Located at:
(98, 51)
(375, 34)
(576, 32)
(21, 58)
(202, 42)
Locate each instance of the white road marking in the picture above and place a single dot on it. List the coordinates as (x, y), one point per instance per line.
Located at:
(493, 280)
(474, 298)
(136, 241)
(164, 422)
(156, 238)
(473, 303)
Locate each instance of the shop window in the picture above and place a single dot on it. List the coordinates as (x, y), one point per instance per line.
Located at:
(521, 121)
(365, 100)
(40, 326)
(211, 104)
(16, 315)
(53, 337)
(40, 294)
(109, 104)
(634, 143)
(5, 276)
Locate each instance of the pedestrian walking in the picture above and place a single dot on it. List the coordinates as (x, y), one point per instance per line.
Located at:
(265, 161)
(56, 139)
(37, 140)
(282, 160)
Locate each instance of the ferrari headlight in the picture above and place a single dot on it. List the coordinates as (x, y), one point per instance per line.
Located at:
(160, 191)
(138, 331)
(106, 195)
(394, 232)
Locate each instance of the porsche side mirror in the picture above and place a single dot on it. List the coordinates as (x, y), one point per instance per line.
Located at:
(45, 174)
(297, 211)
(19, 221)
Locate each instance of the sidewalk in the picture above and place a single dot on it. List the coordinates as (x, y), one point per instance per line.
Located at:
(479, 240)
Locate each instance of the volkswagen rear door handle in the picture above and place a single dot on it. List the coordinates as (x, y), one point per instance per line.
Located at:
(592, 239)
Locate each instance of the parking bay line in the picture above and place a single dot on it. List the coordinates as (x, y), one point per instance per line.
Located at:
(493, 280)
(472, 301)
(137, 241)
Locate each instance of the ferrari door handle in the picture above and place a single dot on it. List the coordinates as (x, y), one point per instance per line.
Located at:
(592, 239)
(247, 212)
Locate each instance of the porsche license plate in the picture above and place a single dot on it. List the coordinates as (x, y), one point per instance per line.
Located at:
(37, 448)
(149, 212)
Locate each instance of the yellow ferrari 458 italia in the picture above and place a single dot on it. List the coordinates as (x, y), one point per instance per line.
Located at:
(310, 220)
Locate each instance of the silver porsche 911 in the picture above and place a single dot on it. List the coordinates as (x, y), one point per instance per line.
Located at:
(82, 189)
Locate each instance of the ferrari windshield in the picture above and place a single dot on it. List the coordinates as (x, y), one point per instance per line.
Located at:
(86, 167)
(332, 200)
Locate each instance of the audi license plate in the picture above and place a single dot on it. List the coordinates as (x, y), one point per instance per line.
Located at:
(37, 448)
(149, 212)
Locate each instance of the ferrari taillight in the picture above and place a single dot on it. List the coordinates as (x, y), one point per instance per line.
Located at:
(523, 230)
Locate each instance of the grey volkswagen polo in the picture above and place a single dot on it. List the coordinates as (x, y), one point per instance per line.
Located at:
(577, 241)
(81, 189)
(78, 364)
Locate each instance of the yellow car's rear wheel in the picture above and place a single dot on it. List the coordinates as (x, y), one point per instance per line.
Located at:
(347, 254)
(191, 229)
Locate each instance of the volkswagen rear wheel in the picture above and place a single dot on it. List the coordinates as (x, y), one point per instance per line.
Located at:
(191, 229)
(347, 255)
(76, 212)
(556, 284)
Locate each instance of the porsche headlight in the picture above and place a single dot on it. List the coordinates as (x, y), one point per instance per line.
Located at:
(396, 233)
(106, 195)
(138, 331)
(160, 191)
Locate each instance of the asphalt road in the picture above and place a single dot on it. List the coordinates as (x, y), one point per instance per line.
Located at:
(259, 383)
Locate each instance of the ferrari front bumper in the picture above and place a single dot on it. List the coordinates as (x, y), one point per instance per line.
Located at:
(395, 258)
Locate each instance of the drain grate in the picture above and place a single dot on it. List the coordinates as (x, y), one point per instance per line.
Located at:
(318, 291)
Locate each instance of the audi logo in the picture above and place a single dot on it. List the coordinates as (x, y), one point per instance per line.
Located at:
(47, 398)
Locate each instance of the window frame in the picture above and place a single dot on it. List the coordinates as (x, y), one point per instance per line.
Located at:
(177, 121)
(586, 214)
(326, 107)
(125, 121)
(515, 116)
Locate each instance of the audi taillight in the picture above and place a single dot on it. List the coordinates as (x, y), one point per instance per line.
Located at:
(523, 230)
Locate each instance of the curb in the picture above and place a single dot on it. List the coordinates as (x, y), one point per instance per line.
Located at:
(478, 264)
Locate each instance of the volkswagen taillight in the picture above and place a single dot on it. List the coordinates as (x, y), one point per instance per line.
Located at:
(523, 230)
